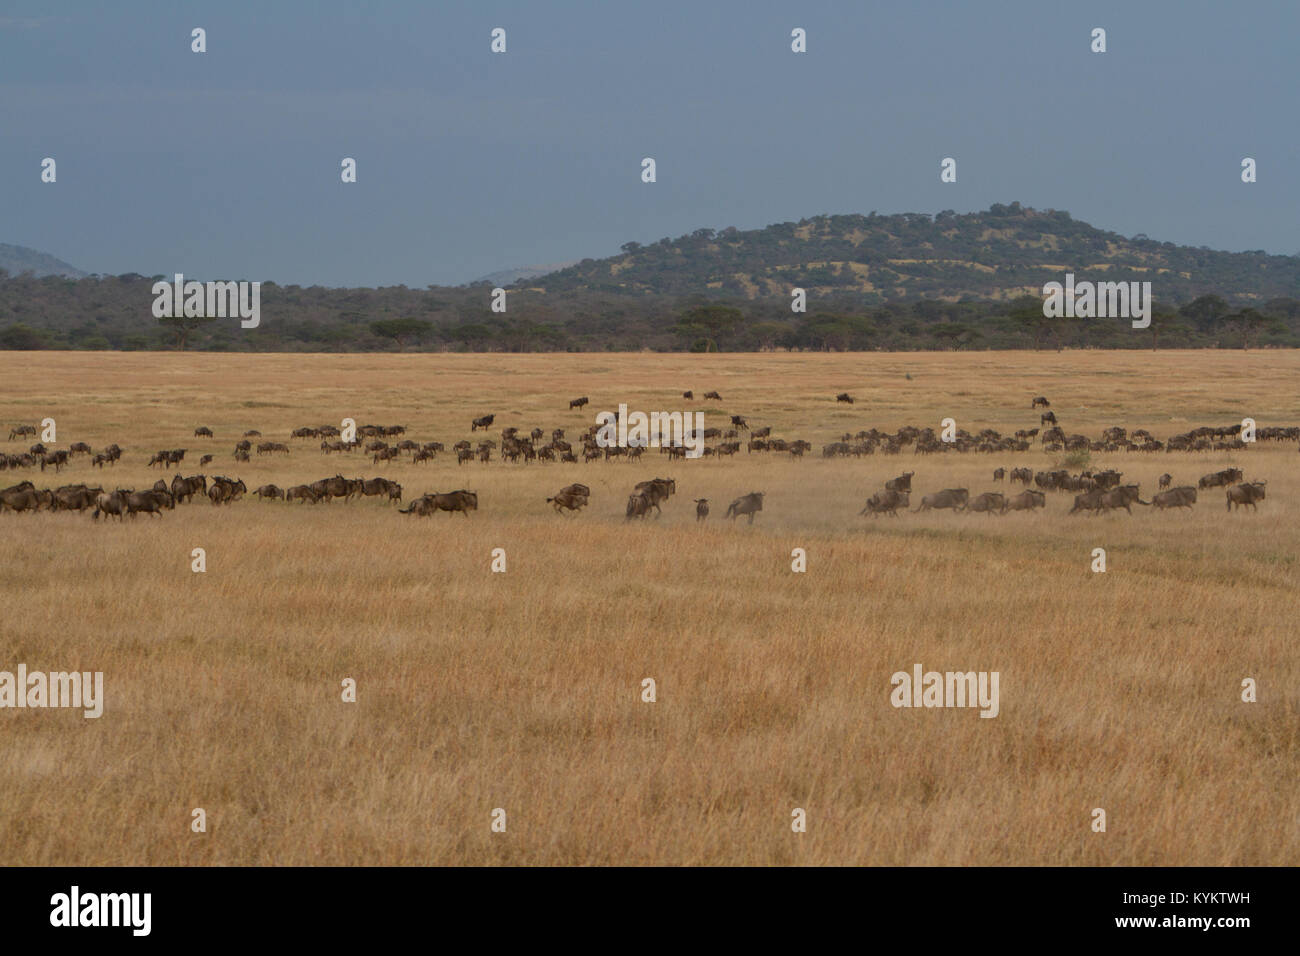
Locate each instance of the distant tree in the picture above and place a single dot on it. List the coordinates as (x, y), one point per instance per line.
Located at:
(183, 327)
(403, 331)
(710, 322)
(22, 338)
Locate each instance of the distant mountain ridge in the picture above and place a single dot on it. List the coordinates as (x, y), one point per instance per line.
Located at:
(1001, 253)
(19, 259)
(504, 277)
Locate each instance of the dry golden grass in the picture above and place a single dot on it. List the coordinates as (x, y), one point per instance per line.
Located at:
(522, 690)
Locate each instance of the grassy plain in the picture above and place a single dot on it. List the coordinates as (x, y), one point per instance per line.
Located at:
(522, 690)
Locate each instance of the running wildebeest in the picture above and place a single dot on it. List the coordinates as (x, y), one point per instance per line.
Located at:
(1027, 500)
(886, 502)
(567, 500)
(1246, 493)
(655, 491)
(1220, 478)
(750, 504)
(701, 508)
(954, 498)
(462, 501)
(991, 502)
(1183, 497)
(902, 483)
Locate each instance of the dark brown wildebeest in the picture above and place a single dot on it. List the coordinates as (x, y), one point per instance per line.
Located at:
(999, 474)
(713, 395)
(270, 491)
(750, 504)
(56, 458)
(22, 431)
(1220, 478)
(452, 501)
(100, 460)
(991, 502)
(576, 489)
(1027, 500)
(739, 422)
(886, 502)
(484, 422)
(955, 498)
(844, 397)
(327, 488)
(1024, 475)
(1047, 418)
(655, 491)
(382, 486)
(301, 493)
(75, 498)
(225, 490)
(203, 431)
(152, 502)
(1165, 481)
(160, 485)
(1246, 493)
(902, 483)
(688, 394)
(701, 508)
(563, 500)
(305, 433)
(463, 455)
(1040, 401)
(252, 433)
(1099, 501)
(21, 497)
(206, 459)
(1183, 497)
(79, 448)
(578, 402)
(241, 455)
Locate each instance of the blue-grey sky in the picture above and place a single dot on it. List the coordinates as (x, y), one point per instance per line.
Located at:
(226, 164)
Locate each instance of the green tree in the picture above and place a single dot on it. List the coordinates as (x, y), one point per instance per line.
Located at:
(183, 327)
(402, 331)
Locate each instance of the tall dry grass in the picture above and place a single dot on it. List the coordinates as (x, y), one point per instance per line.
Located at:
(523, 690)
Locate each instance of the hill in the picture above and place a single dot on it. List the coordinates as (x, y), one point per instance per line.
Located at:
(16, 260)
(999, 254)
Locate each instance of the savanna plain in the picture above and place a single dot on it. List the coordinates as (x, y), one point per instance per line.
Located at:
(523, 690)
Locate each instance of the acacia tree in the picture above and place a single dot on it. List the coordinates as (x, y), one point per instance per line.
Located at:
(184, 326)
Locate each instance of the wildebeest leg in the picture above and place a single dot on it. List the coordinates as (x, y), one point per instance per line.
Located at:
(751, 517)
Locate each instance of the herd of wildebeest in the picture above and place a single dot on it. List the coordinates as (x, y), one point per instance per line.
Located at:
(1095, 492)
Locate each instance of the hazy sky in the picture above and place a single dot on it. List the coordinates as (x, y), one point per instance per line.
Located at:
(226, 164)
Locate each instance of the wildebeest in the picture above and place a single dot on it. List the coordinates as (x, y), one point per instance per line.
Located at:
(902, 483)
(484, 422)
(301, 493)
(567, 500)
(1027, 500)
(1047, 418)
(688, 394)
(462, 501)
(955, 498)
(1024, 475)
(999, 474)
(152, 502)
(739, 422)
(701, 508)
(1040, 400)
(203, 431)
(844, 397)
(713, 395)
(270, 492)
(578, 402)
(226, 490)
(1183, 497)
(991, 502)
(638, 505)
(1246, 493)
(20, 497)
(1220, 478)
(655, 491)
(1165, 481)
(205, 460)
(750, 504)
(113, 503)
(1099, 501)
(22, 431)
(886, 502)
